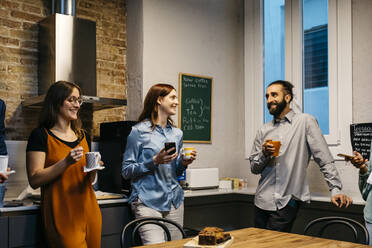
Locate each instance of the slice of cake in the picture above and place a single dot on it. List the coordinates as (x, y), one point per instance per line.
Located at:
(212, 236)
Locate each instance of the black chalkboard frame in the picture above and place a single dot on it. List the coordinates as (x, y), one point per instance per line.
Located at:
(185, 139)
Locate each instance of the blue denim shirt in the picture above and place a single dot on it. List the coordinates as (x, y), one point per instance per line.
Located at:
(155, 185)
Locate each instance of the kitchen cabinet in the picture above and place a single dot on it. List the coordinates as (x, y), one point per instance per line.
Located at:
(21, 230)
(316, 209)
(227, 211)
(3, 231)
(235, 211)
(24, 228)
(114, 218)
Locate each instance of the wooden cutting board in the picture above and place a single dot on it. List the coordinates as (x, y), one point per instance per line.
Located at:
(107, 197)
(194, 244)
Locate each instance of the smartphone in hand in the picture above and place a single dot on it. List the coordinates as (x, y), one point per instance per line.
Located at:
(345, 156)
(169, 145)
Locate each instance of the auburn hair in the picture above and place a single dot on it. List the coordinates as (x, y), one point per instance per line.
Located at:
(150, 105)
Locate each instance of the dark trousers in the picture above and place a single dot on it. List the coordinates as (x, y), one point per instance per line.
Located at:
(279, 220)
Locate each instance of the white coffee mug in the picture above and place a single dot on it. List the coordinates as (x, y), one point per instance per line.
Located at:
(186, 151)
(92, 159)
(3, 163)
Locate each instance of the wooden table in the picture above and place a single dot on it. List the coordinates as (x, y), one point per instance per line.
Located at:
(260, 238)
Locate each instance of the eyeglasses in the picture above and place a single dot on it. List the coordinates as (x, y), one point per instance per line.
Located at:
(75, 100)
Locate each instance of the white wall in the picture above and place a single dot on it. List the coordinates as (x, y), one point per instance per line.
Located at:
(204, 38)
(362, 61)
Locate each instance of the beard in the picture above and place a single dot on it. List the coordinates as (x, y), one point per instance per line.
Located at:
(280, 106)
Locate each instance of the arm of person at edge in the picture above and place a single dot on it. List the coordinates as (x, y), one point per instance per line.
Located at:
(39, 176)
(323, 157)
(3, 177)
(364, 167)
(261, 154)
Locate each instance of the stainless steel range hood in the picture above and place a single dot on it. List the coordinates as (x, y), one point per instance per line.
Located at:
(67, 51)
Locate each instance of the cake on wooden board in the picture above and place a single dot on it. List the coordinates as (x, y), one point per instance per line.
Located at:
(212, 236)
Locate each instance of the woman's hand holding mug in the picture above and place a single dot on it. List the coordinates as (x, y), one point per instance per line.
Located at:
(75, 155)
(188, 155)
(3, 176)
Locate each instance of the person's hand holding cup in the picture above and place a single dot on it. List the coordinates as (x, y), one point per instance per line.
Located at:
(188, 155)
(271, 148)
(3, 177)
(75, 155)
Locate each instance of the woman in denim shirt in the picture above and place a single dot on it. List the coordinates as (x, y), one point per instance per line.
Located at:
(153, 170)
(365, 187)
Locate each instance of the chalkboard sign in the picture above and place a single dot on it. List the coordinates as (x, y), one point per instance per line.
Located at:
(195, 109)
(361, 136)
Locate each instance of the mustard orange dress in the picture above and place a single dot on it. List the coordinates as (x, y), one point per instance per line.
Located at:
(71, 214)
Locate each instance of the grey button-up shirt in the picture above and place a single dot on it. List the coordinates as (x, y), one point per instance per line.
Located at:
(284, 177)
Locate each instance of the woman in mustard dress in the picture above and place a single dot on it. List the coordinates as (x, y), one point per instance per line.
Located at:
(55, 160)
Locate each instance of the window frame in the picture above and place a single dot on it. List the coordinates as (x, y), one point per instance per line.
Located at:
(339, 73)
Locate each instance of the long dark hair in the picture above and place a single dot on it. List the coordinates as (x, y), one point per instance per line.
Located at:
(150, 106)
(56, 95)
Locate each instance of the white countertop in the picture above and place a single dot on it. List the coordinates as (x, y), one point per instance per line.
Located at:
(32, 206)
(217, 191)
(323, 197)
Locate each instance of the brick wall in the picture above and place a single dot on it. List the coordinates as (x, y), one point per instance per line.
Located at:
(19, 58)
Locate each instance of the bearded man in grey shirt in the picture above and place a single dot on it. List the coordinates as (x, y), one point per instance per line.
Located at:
(283, 183)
